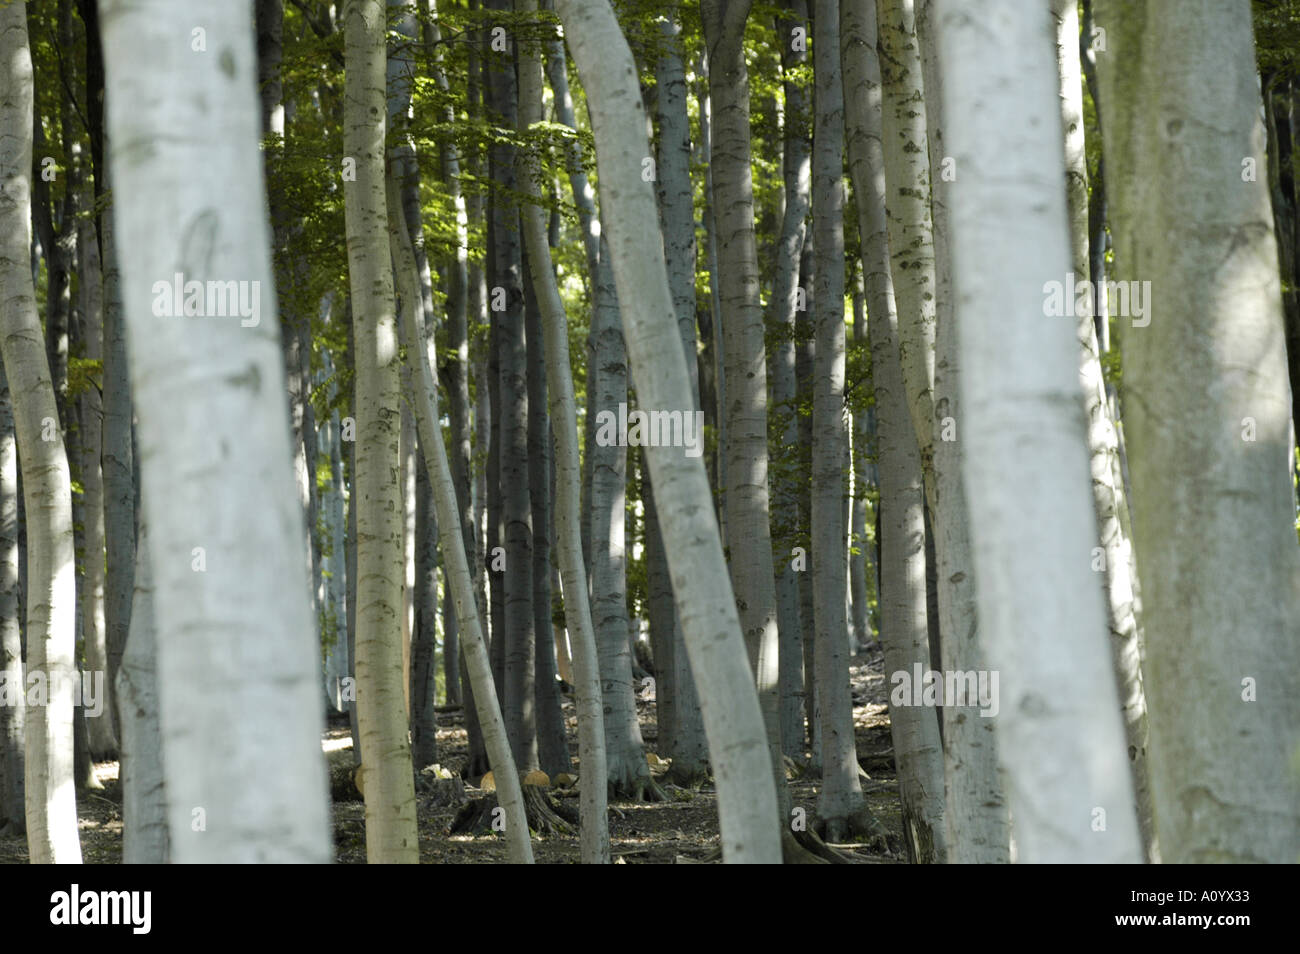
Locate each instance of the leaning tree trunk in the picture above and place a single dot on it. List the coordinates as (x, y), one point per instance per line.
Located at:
(594, 833)
(978, 828)
(423, 390)
(1217, 553)
(51, 809)
(1114, 559)
(1060, 738)
(385, 748)
(745, 451)
(192, 204)
(747, 801)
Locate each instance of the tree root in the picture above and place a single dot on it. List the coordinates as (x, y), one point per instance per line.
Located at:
(546, 816)
(860, 826)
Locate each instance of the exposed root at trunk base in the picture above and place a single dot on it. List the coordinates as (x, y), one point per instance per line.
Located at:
(861, 826)
(546, 816)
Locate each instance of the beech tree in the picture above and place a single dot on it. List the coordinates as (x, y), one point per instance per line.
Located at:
(1218, 613)
(51, 811)
(236, 661)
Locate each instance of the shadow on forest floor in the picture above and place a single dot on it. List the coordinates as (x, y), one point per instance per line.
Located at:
(682, 829)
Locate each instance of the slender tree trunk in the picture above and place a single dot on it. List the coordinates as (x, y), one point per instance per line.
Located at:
(1217, 555)
(51, 810)
(103, 741)
(594, 834)
(787, 300)
(14, 710)
(1061, 741)
(385, 750)
(1113, 558)
(423, 390)
(142, 777)
(747, 802)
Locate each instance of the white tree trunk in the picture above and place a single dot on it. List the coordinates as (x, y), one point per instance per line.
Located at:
(594, 833)
(1114, 561)
(385, 748)
(1061, 741)
(1207, 402)
(237, 664)
(747, 802)
(903, 613)
(423, 391)
(51, 809)
(975, 812)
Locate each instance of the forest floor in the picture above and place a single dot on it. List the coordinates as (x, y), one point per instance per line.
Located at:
(681, 829)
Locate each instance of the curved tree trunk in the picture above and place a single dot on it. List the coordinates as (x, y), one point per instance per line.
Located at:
(747, 801)
(1103, 445)
(51, 809)
(422, 388)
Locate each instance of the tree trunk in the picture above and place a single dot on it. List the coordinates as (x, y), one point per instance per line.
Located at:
(1220, 612)
(103, 741)
(252, 672)
(1113, 558)
(385, 749)
(1061, 742)
(423, 390)
(977, 823)
(51, 810)
(594, 833)
(142, 777)
(747, 803)
(13, 711)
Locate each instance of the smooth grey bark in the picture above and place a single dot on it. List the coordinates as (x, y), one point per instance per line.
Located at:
(552, 743)
(594, 829)
(904, 611)
(385, 749)
(747, 800)
(424, 722)
(505, 280)
(117, 461)
(145, 838)
(422, 387)
(786, 300)
(101, 737)
(628, 773)
(13, 711)
(457, 365)
(805, 357)
(1219, 614)
(1113, 559)
(978, 827)
(1061, 741)
(841, 807)
(239, 691)
(51, 810)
